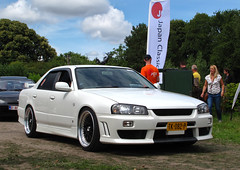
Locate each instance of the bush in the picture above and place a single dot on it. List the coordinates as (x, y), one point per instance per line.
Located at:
(16, 68)
(230, 91)
(34, 77)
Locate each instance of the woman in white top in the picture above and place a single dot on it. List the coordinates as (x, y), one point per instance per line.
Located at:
(215, 89)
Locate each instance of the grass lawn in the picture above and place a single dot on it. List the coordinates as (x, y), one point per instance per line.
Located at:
(228, 131)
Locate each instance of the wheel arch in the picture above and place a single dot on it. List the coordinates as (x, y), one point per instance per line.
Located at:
(80, 112)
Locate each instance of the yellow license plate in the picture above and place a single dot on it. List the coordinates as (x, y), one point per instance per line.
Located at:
(175, 126)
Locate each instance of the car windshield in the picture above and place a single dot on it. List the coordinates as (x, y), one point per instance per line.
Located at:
(96, 77)
(13, 85)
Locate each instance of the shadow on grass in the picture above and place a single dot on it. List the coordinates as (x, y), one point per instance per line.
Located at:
(140, 150)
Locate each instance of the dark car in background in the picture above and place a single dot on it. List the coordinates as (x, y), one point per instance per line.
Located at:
(10, 87)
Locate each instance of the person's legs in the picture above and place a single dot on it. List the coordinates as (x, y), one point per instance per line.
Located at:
(210, 102)
(218, 106)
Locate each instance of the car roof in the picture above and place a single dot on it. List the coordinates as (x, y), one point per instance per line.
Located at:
(87, 66)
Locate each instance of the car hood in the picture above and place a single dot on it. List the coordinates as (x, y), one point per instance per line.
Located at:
(9, 93)
(9, 96)
(151, 98)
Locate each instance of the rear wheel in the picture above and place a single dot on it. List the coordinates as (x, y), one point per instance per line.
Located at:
(30, 123)
(88, 131)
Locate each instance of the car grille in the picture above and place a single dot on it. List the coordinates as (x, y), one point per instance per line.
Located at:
(173, 112)
(132, 134)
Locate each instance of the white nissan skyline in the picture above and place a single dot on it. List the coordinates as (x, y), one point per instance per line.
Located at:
(110, 105)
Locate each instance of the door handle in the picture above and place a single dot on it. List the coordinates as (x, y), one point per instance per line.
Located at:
(52, 97)
(34, 96)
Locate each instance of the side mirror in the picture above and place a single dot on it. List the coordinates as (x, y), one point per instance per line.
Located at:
(157, 85)
(63, 86)
(28, 85)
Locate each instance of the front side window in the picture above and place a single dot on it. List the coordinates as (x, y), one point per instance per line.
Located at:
(110, 78)
(65, 77)
(48, 82)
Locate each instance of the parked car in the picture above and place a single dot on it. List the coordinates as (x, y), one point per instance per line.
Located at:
(10, 87)
(110, 105)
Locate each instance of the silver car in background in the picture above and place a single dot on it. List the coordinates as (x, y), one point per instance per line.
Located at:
(10, 87)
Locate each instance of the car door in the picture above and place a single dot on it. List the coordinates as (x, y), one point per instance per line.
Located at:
(62, 103)
(42, 97)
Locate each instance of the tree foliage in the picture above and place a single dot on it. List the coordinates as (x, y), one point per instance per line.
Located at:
(76, 58)
(204, 40)
(136, 45)
(19, 43)
(176, 39)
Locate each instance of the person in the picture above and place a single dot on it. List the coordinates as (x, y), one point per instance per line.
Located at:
(196, 82)
(149, 71)
(215, 89)
(228, 78)
(183, 65)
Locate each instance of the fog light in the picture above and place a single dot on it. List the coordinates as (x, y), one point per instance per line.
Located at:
(209, 120)
(127, 123)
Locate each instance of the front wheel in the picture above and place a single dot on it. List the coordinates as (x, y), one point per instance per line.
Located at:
(88, 131)
(30, 123)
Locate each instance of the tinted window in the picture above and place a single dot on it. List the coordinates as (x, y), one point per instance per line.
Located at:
(49, 81)
(65, 77)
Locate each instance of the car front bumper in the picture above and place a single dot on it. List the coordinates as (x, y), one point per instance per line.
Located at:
(150, 129)
(8, 110)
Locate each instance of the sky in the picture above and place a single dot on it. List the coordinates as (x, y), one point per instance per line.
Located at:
(95, 27)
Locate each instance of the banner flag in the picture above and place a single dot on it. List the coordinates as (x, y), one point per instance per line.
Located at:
(158, 31)
(236, 96)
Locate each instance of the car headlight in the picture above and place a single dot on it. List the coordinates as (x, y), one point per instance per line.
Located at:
(2, 101)
(203, 108)
(127, 109)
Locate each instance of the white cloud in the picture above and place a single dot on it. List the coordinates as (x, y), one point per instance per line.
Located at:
(23, 11)
(56, 19)
(73, 7)
(51, 11)
(108, 27)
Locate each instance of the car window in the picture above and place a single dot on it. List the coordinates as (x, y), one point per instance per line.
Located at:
(14, 85)
(110, 78)
(49, 81)
(65, 77)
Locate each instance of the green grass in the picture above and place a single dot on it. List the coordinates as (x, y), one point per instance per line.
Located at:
(228, 131)
(12, 157)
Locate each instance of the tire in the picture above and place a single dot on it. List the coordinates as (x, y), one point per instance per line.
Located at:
(30, 125)
(88, 131)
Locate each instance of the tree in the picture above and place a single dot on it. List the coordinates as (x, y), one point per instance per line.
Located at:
(198, 37)
(176, 39)
(75, 58)
(226, 48)
(18, 42)
(136, 45)
(116, 57)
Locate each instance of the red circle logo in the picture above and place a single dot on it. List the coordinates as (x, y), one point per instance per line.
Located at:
(157, 10)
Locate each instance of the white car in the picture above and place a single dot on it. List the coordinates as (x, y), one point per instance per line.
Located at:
(110, 105)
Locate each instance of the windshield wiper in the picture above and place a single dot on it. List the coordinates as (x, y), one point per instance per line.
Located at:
(107, 87)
